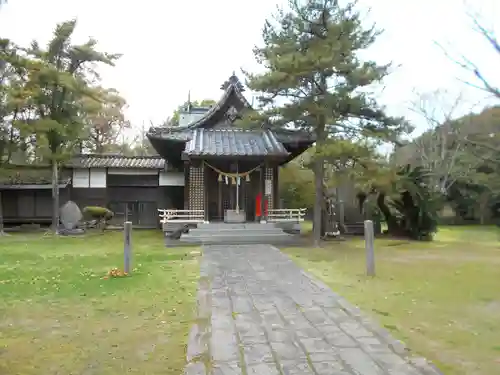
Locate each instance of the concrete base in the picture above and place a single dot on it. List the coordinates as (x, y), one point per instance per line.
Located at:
(237, 233)
(231, 216)
(290, 227)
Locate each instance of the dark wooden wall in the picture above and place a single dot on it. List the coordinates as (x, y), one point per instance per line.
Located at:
(139, 196)
(118, 180)
(89, 197)
(30, 205)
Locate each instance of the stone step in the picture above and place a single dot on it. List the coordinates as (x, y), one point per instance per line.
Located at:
(220, 239)
(171, 227)
(234, 236)
(253, 232)
(243, 232)
(235, 230)
(229, 226)
(237, 233)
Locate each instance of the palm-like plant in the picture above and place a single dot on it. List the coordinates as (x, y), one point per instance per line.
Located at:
(416, 204)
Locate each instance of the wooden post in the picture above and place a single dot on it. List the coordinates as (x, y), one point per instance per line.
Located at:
(237, 190)
(262, 195)
(369, 248)
(187, 177)
(341, 214)
(127, 240)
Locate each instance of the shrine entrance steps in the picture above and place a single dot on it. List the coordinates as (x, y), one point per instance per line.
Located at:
(241, 233)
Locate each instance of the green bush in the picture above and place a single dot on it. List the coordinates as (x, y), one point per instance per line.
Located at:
(98, 213)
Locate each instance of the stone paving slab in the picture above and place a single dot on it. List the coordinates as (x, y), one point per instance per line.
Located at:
(259, 313)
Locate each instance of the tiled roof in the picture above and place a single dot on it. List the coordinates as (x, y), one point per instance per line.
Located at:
(117, 161)
(30, 175)
(293, 136)
(234, 142)
(173, 134)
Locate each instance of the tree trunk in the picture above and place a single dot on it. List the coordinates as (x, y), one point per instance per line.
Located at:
(319, 165)
(318, 200)
(483, 207)
(55, 196)
(392, 224)
(340, 209)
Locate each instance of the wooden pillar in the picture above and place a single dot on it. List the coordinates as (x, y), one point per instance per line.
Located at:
(196, 187)
(186, 185)
(261, 191)
(219, 199)
(106, 191)
(268, 175)
(276, 188)
(205, 188)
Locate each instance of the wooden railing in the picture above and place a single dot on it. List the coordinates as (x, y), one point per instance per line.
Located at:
(181, 216)
(277, 215)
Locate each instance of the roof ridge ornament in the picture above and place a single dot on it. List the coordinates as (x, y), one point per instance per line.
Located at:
(232, 114)
(233, 81)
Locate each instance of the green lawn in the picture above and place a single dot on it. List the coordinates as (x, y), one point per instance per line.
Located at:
(59, 315)
(441, 298)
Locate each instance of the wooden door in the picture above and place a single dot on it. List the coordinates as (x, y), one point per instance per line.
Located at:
(147, 214)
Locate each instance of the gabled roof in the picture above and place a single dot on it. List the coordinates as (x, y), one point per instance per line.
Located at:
(117, 161)
(231, 87)
(176, 144)
(234, 142)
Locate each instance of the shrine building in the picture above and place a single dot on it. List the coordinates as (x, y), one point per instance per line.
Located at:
(230, 174)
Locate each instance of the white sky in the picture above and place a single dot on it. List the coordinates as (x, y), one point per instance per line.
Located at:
(171, 47)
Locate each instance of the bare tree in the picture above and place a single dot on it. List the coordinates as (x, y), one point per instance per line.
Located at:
(467, 63)
(487, 144)
(443, 148)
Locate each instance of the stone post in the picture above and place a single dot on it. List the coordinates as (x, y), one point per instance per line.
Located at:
(369, 248)
(127, 248)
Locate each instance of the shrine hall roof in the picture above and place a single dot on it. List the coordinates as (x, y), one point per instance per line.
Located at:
(234, 142)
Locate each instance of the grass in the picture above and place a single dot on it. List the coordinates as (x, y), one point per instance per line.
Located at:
(442, 298)
(58, 315)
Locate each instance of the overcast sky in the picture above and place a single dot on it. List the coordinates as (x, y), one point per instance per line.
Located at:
(171, 47)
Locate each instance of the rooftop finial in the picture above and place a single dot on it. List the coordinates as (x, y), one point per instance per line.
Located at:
(188, 105)
(233, 81)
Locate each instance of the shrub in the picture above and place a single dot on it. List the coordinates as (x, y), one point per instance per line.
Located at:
(98, 213)
(101, 214)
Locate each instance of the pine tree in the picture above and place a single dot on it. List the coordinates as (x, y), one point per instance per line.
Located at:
(315, 79)
(61, 76)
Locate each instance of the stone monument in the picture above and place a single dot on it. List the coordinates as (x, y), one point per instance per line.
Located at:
(70, 216)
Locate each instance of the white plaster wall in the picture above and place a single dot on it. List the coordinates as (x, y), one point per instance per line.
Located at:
(97, 178)
(81, 178)
(171, 179)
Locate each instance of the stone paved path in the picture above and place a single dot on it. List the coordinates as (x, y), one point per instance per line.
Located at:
(265, 316)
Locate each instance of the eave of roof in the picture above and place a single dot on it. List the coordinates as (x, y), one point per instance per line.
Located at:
(31, 186)
(290, 136)
(234, 142)
(26, 174)
(176, 134)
